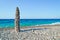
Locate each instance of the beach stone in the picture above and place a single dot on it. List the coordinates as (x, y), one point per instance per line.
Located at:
(48, 34)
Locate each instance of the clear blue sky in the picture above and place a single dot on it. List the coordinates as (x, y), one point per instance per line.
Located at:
(30, 9)
(8, 8)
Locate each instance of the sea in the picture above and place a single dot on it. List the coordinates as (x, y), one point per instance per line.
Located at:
(9, 23)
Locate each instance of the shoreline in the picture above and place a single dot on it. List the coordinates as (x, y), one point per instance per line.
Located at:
(31, 27)
(41, 27)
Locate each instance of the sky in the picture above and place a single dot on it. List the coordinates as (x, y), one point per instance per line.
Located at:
(30, 9)
(8, 8)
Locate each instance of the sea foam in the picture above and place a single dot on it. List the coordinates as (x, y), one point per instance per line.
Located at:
(55, 23)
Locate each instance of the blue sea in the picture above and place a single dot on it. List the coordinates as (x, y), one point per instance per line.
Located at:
(9, 23)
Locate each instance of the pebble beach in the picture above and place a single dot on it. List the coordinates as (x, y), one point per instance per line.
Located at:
(51, 32)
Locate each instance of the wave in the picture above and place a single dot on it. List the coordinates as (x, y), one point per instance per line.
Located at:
(55, 23)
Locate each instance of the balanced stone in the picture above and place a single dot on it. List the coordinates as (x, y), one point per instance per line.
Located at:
(17, 19)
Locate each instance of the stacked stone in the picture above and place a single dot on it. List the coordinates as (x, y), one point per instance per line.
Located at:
(17, 19)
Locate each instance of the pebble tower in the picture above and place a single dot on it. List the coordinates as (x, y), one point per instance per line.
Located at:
(17, 20)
